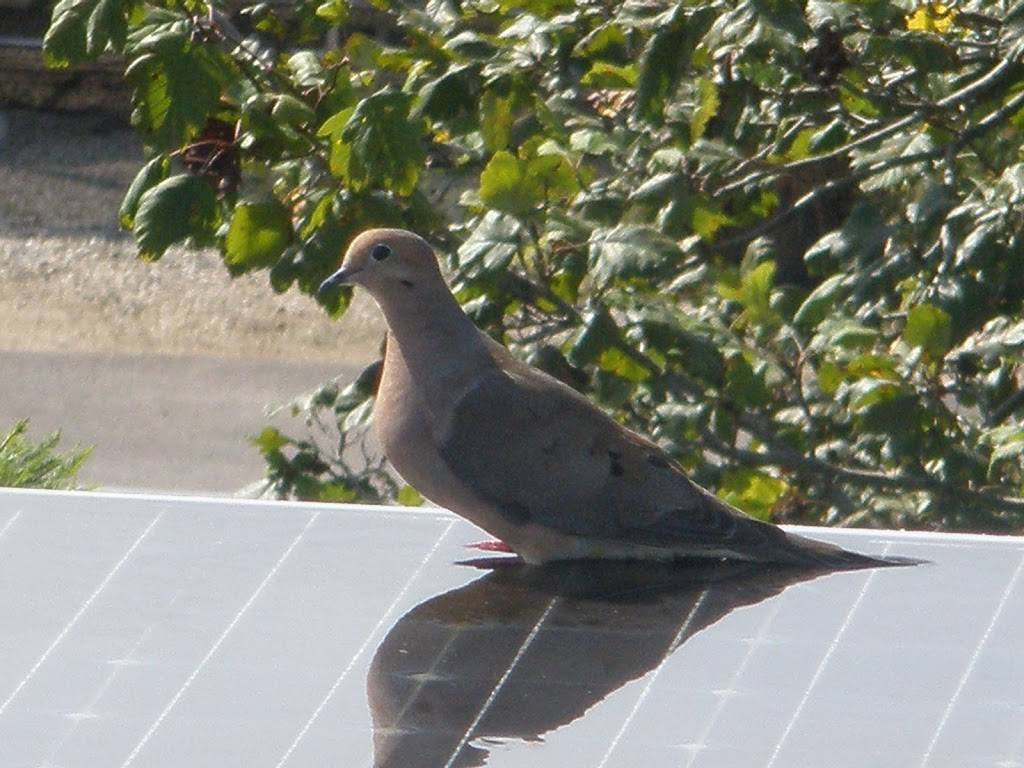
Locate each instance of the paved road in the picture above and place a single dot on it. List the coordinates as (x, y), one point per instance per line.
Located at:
(172, 423)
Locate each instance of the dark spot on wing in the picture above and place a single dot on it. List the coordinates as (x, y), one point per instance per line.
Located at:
(709, 517)
(657, 461)
(616, 457)
(408, 283)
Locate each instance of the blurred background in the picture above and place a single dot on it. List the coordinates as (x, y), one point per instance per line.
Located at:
(166, 369)
(786, 244)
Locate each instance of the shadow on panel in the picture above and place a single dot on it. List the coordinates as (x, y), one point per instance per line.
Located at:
(525, 649)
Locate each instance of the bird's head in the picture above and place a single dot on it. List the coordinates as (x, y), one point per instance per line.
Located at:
(387, 262)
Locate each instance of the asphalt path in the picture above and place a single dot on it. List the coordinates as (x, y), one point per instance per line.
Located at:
(167, 423)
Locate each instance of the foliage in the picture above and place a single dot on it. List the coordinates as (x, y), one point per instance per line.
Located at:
(24, 464)
(784, 238)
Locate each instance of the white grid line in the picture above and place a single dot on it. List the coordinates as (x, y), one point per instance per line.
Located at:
(217, 644)
(755, 643)
(9, 523)
(81, 612)
(1004, 598)
(824, 663)
(362, 649)
(422, 683)
(654, 676)
(501, 683)
(105, 686)
(117, 669)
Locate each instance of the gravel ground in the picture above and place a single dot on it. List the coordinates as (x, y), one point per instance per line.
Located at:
(165, 368)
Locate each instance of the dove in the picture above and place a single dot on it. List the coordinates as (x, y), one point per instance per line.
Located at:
(523, 456)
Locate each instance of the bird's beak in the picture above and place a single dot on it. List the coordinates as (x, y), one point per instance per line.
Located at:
(341, 277)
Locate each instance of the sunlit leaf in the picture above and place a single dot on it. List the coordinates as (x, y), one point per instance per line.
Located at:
(177, 208)
(624, 252)
(928, 327)
(384, 146)
(932, 17)
(754, 491)
(258, 234)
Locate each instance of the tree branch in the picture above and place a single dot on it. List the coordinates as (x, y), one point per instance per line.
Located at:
(967, 93)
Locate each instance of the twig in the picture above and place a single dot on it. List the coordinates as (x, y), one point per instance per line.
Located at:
(829, 187)
(967, 93)
(1007, 407)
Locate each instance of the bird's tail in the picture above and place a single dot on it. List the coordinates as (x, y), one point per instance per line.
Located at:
(793, 549)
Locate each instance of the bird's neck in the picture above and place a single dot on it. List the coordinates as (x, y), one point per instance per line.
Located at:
(432, 332)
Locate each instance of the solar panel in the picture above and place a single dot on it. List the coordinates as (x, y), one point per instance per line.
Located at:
(161, 631)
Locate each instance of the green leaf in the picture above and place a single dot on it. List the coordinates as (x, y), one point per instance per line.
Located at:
(929, 328)
(886, 408)
(857, 103)
(746, 387)
(81, 30)
(603, 74)
(752, 490)
(615, 361)
(598, 333)
(24, 464)
(451, 96)
(505, 184)
(491, 246)
(820, 302)
(517, 186)
(177, 208)
(496, 119)
(385, 146)
(707, 108)
(594, 142)
(64, 43)
(270, 440)
(330, 493)
(1007, 445)
(152, 173)
(333, 12)
(258, 235)
(868, 392)
(289, 110)
(409, 497)
(629, 252)
(175, 92)
(307, 71)
(106, 25)
(848, 334)
(687, 341)
(605, 39)
(333, 127)
(830, 376)
(873, 366)
(754, 293)
(660, 66)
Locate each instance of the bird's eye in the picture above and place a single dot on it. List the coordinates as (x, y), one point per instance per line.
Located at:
(380, 252)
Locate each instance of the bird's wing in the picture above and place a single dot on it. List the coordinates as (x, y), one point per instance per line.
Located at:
(541, 453)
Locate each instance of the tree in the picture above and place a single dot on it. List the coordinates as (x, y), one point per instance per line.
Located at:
(783, 238)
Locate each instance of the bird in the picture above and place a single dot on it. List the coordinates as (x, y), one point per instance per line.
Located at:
(524, 456)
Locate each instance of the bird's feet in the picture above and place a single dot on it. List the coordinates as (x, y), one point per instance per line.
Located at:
(491, 546)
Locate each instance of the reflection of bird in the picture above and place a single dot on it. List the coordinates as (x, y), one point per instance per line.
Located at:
(525, 650)
(524, 456)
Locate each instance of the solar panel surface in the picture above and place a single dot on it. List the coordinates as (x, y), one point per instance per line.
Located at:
(156, 631)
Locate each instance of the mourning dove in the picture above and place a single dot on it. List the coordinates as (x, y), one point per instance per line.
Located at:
(524, 456)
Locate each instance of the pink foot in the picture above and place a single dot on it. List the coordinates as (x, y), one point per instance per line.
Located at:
(490, 546)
